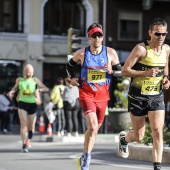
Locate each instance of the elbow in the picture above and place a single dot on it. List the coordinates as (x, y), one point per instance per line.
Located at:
(124, 73)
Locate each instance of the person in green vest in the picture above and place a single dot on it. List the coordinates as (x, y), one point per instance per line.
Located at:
(29, 88)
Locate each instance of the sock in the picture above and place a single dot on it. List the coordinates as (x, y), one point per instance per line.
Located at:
(30, 134)
(157, 165)
(87, 155)
(123, 141)
(24, 146)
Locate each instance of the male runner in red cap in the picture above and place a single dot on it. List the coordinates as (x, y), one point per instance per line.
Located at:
(98, 64)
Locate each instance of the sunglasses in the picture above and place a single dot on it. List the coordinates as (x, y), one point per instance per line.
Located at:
(159, 34)
(96, 35)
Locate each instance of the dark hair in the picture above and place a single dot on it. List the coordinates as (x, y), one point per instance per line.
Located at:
(60, 81)
(157, 21)
(93, 26)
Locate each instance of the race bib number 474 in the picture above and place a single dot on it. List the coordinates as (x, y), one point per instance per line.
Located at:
(96, 76)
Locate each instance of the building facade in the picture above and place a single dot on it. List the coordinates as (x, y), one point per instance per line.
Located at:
(35, 31)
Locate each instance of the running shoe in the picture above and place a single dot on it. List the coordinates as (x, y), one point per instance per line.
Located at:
(25, 150)
(123, 150)
(83, 162)
(28, 143)
(79, 161)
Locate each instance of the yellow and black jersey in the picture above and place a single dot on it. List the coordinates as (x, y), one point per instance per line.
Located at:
(147, 87)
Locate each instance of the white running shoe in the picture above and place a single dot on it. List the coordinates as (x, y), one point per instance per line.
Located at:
(123, 150)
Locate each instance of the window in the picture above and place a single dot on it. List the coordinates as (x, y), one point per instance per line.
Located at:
(60, 15)
(9, 71)
(11, 16)
(129, 27)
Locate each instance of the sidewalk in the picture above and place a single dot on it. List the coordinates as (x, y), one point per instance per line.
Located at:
(101, 138)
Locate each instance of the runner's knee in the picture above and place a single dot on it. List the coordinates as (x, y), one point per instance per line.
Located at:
(157, 133)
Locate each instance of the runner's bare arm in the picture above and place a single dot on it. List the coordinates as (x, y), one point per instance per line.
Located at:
(78, 56)
(138, 52)
(113, 66)
(41, 86)
(166, 81)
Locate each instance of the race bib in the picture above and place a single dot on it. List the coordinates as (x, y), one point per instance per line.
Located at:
(96, 76)
(150, 87)
(26, 93)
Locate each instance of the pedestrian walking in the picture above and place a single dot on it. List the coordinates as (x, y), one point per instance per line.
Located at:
(147, 65)
(28, 98)
(4, 107)
(98, 64)
(71, 107)
(56, 97)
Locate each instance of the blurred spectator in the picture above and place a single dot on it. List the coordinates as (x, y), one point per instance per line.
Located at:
(71, 107)
(81, 121)
(4, 106)
(56, 97)
(11, 112)
(124, 89)
(46, 101)
(121, 94)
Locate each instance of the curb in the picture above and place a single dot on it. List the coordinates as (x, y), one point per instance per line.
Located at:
(144, 153)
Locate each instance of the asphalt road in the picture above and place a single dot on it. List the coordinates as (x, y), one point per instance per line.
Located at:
(59, 156)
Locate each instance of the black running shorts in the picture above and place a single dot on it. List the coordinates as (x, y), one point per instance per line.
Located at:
(30, 108)
(141, 108)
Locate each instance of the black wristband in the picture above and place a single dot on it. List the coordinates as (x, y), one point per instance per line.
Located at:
(116, 70)
(69, 68)
(166, 76)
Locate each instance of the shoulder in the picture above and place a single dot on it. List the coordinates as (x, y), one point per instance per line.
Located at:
(167, 49)
(55, 87)
(79, 55)
(62, 87)
(111, 50)
(18, 79)
(112, 55)
(140, 50)
(140, 46)
(36, 79)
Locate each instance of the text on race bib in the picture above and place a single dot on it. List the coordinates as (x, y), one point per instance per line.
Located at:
(26, 93)
(150, 87)
(96, 76)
